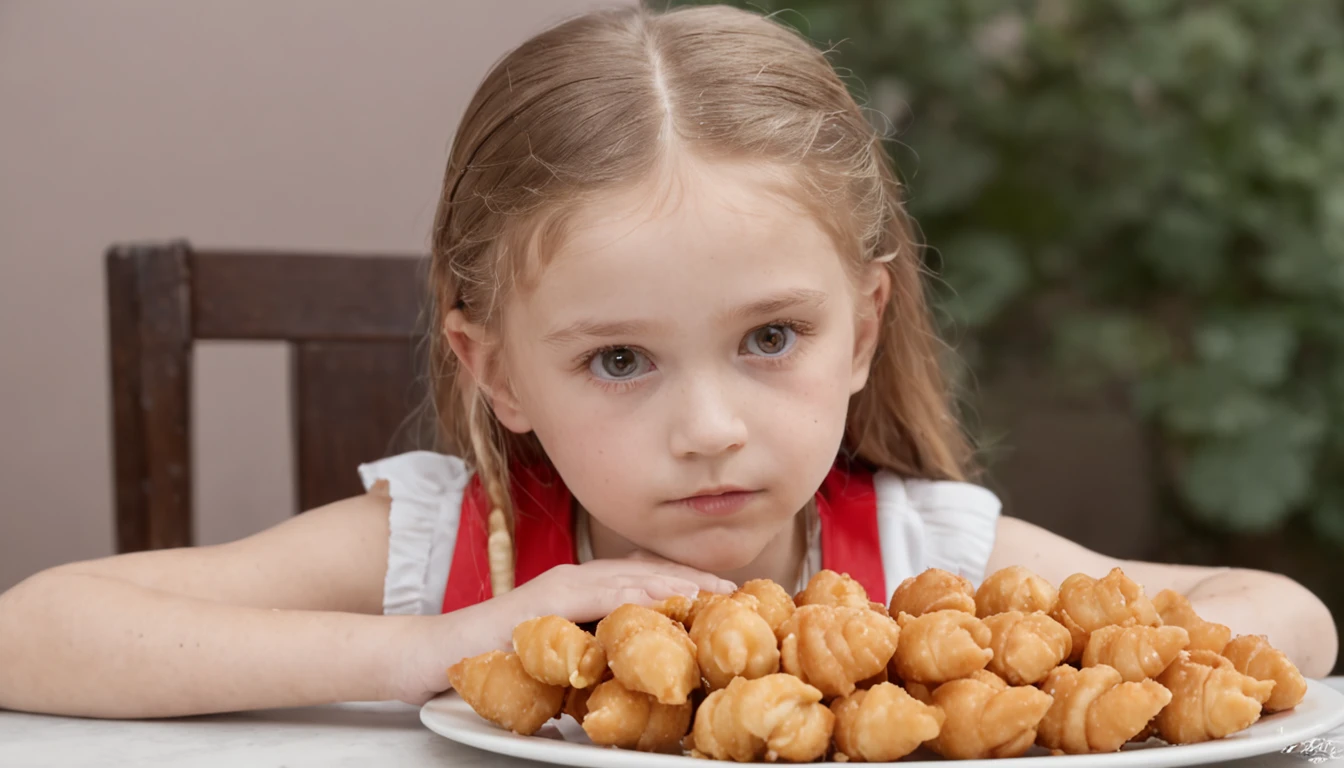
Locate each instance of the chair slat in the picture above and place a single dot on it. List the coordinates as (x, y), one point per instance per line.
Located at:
(257, 295)
(130, 464)
(152, 395)
(352, 404)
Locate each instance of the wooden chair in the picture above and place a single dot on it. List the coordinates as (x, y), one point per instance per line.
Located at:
(352, 322)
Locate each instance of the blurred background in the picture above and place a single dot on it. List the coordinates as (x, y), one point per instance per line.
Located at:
(1135, 209)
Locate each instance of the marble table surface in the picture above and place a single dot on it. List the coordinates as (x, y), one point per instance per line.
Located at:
(354, 734)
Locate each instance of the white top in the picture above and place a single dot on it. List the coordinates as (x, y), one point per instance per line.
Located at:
(921, 524)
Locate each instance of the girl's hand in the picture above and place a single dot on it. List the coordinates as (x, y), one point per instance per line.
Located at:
(580, 593)
(591, 591)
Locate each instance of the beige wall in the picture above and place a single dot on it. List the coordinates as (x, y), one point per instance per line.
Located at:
(316, 124)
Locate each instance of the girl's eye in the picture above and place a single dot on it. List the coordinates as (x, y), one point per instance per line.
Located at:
(619, 364)
(771, 340)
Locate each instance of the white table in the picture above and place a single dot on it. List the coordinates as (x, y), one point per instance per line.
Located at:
(336, 735)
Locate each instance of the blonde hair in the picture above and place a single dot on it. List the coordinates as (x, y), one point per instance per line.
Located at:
(595, 104)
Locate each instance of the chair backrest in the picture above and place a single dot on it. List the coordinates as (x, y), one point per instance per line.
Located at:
(353, 327)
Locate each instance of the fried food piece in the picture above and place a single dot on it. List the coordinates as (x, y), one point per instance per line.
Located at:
(882, 676)
(1210, 699)
(576, 703)
(497, 687)
(576, 699)
(620, 717)
(1096, 710)
(883, 724)
(1253, 655)
(677, 608)
(775, 604)
(1087, 604)
(933, 590)
(833, 647)
(777, 717)
(732, 639)
(986, 718)
(1149, 731)
(1136, 652)
(941, 646)
(830, 588)
(700, 603)
(557, 652)
(1026, 646)
(1175, 610)
(649, 652)
(1014, 589)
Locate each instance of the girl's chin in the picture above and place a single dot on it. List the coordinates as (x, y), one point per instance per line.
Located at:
(727, 554)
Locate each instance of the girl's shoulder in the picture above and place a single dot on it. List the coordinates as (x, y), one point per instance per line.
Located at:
(417, 473)
(426, 490)
(934, 524)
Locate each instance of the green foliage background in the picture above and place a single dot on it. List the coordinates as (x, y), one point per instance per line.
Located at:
(1145, 196)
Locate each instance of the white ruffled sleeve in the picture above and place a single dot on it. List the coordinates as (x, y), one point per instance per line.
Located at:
(934, 524)
(426, 490)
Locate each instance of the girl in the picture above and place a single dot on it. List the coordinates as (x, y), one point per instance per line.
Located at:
(681, 342)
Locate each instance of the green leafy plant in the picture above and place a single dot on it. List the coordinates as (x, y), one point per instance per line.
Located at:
(1137, 194)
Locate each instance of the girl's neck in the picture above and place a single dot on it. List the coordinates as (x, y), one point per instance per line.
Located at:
(781, 560)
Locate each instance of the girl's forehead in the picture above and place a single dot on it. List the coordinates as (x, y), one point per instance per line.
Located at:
(698, 209)
(708, 239)
(694, 187)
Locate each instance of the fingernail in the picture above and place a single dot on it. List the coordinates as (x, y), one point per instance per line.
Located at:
(726, 586)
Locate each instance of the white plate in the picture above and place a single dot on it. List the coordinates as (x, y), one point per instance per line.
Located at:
(563, 742)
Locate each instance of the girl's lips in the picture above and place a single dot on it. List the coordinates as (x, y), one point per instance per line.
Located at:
(718, 504)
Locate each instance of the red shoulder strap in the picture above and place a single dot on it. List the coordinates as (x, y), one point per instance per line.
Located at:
(469, 573)
(847, 506)
(543, 535)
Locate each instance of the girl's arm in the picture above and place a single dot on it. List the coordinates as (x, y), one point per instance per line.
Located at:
(1248, 601)
(277, 619)
(270, 620)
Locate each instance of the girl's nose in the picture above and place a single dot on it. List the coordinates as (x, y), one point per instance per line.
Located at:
(704, 423)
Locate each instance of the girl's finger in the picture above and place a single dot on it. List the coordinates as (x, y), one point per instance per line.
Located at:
(706, 581)
(659, 585)
(663, 587)
(652, 564)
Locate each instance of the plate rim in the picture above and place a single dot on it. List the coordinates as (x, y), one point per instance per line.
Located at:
(504, 743)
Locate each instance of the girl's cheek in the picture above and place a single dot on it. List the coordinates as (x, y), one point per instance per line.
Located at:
(599, 449)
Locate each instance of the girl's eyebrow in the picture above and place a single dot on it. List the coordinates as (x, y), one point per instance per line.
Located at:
(597, 329)
(773, 305)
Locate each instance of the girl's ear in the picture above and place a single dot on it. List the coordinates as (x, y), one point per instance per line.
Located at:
(874, 292)
(478, 350)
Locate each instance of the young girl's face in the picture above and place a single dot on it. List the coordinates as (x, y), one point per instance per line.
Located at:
(686, 360)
